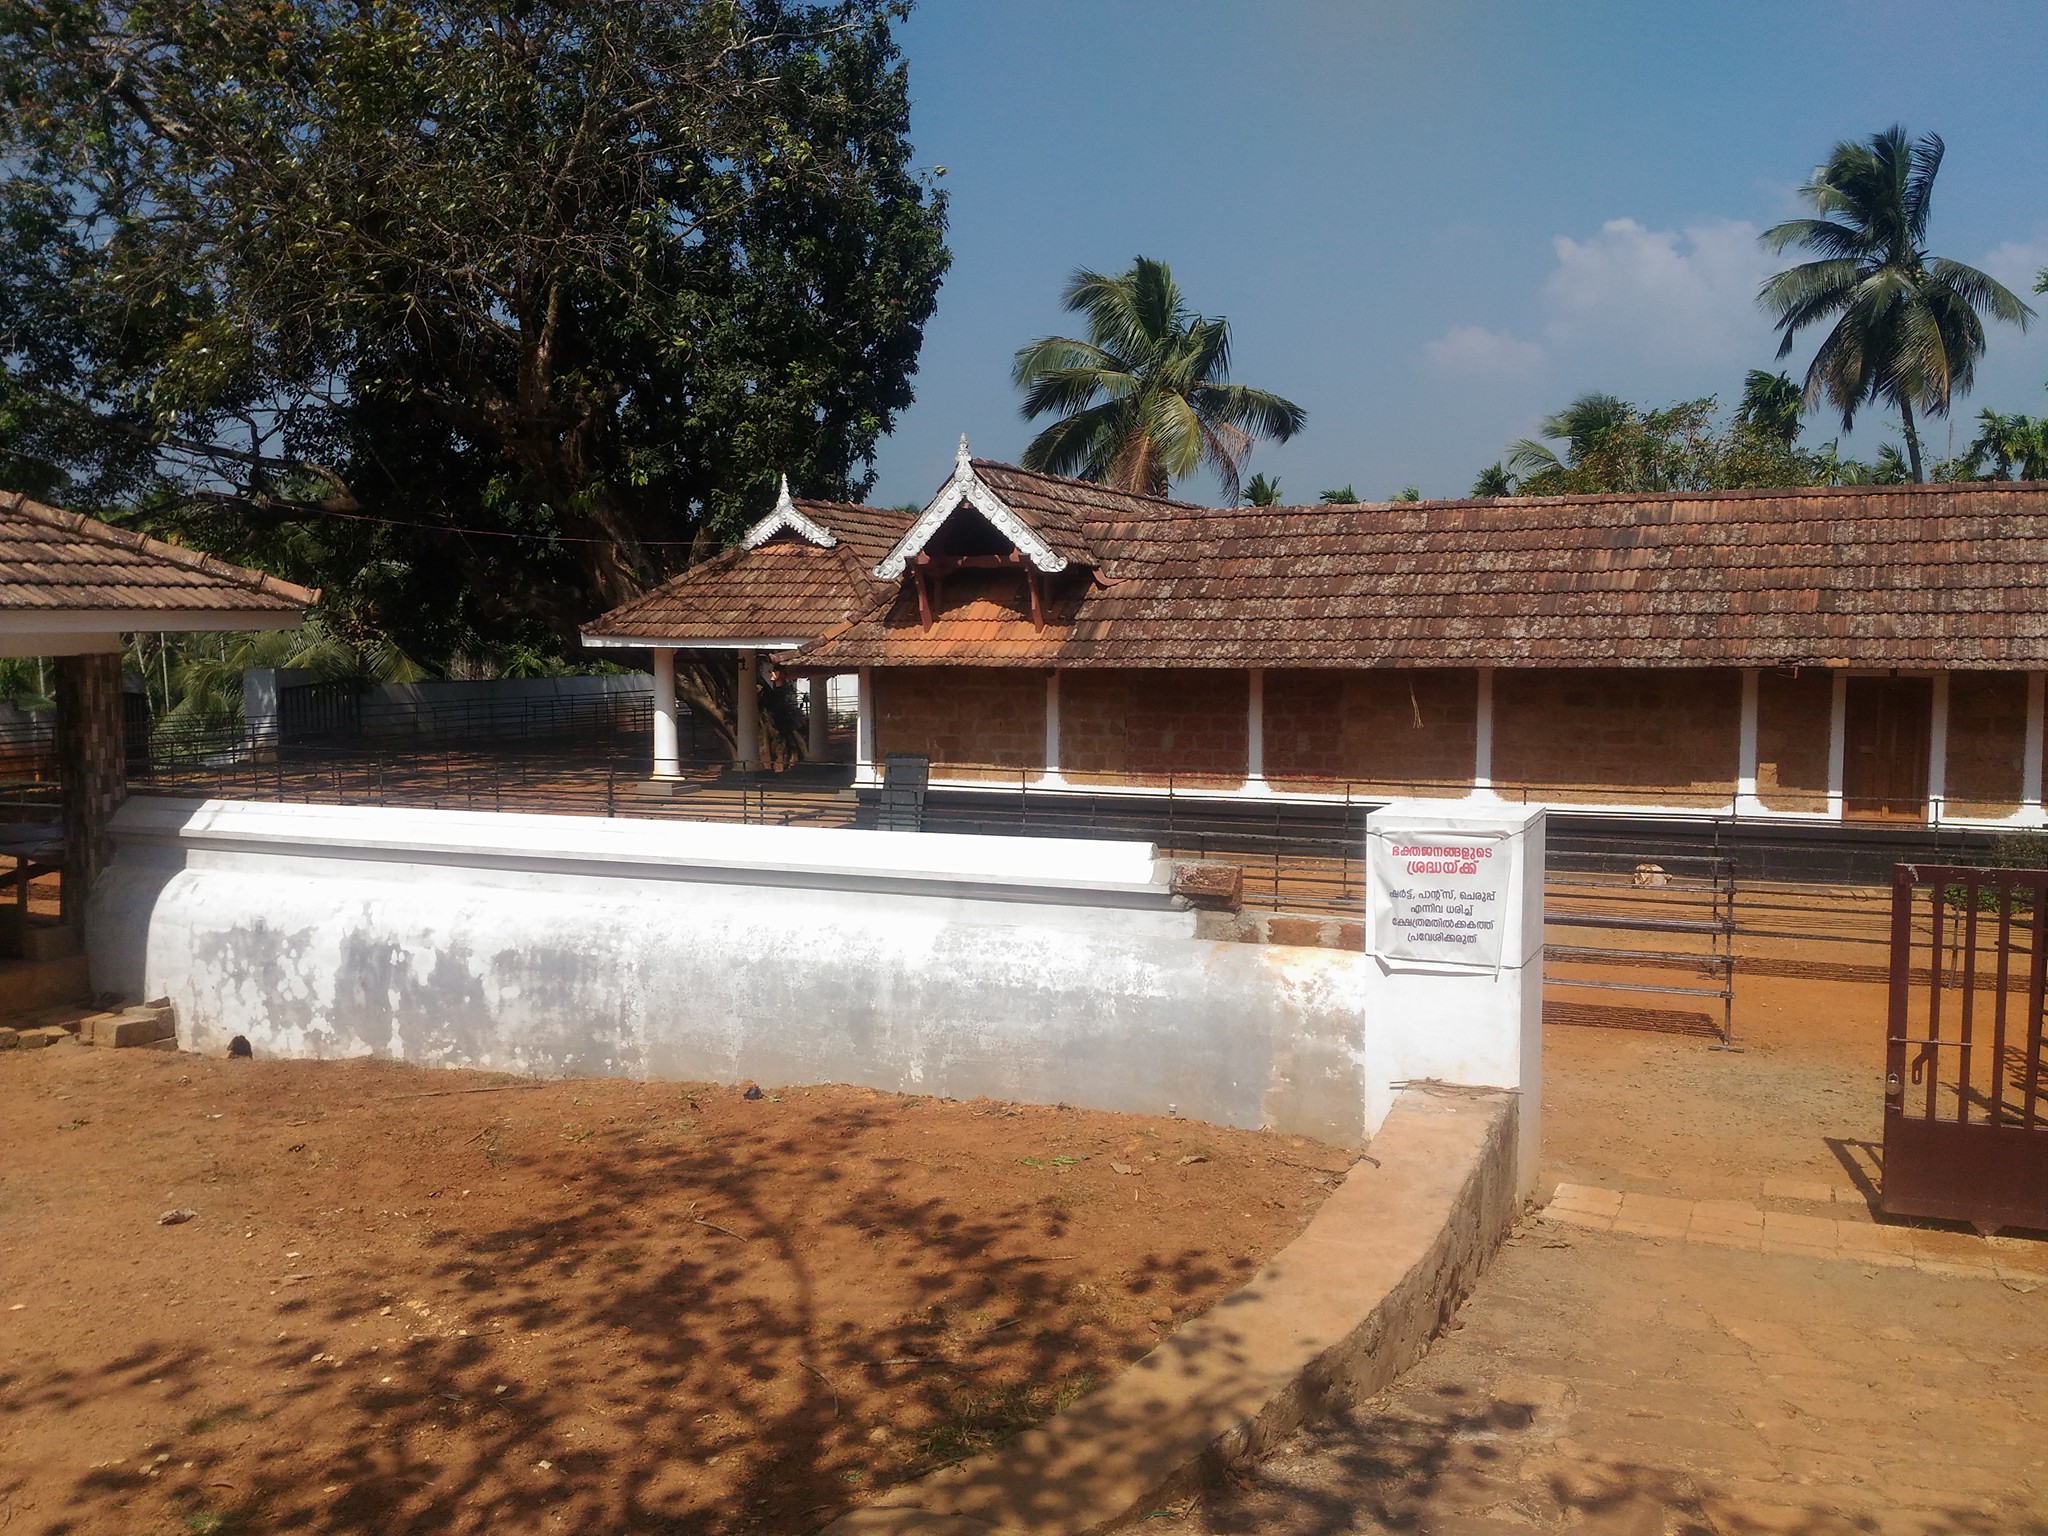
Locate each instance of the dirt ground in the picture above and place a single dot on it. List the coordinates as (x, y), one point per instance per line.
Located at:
(1612, 1385)
(429, 1301)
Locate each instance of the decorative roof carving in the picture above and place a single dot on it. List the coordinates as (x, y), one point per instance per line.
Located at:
(787, 519)
(966, 486)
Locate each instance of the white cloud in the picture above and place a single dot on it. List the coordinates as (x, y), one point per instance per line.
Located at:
(2017, 263)
(1685, 297)
(1472, 351)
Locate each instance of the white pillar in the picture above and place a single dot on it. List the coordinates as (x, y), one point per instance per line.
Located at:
(818, 697)
(1482, 739)
(1937, 751)
(2030, 766)
(1255, 731)
(1746, 802)
(746, 751)
(1838, 742)
(668, 763)
(864, 728)
(1052, 730)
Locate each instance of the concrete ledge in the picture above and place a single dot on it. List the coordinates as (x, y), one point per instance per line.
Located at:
(1336, 1316)
(1019, 869)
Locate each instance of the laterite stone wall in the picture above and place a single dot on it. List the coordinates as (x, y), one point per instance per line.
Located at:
(1792, 715)
(1987, 740)
(1142, 724)
(1619, 735)
(1407, 732)
(962, 718)
(92, 767)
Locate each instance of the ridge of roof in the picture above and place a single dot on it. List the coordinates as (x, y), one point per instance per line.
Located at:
(81, 526)
(1049, 542)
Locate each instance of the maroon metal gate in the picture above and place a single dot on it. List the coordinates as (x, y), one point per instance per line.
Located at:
(1966, 1121)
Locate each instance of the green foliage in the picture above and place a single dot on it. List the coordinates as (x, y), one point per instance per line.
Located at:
(1611, 445)
(1407, 493)
(1905, 327)
(1339, 496)
(1494, 480)
(1145, 400)
(2009, 447)
(480, 315)
(1262, 492)
(26, 682)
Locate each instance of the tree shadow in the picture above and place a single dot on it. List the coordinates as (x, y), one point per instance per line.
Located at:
(660, 1342)
(1449, 1458)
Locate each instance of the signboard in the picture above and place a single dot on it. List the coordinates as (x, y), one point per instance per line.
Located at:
(1439, 895)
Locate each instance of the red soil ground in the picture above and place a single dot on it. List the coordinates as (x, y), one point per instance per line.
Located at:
(430, 1301)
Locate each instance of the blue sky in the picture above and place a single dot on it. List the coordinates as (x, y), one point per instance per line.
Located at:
(1433, 224)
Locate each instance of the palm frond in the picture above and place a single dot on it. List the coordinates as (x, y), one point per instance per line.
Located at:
(1981, 291)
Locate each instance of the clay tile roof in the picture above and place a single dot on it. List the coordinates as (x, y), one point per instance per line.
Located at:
(1054, 509)
(1943, 575)
(52, 561)
(784, 589)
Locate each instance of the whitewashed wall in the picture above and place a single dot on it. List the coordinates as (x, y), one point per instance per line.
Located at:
(1025, 968)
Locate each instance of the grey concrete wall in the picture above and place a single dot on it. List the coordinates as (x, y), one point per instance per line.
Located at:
(1018, 968)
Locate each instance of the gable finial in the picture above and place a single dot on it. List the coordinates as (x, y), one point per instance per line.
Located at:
(961, 456)
(782, 499)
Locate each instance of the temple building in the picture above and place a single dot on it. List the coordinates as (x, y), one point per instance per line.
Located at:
(1821, 654)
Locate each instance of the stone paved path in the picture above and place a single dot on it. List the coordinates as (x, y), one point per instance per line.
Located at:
(1707, 1334)
(1620, 1385)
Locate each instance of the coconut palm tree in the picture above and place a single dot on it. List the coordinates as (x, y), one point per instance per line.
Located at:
(1770, 407)
(1907, 327)
(1146, 399)
(1262, 491)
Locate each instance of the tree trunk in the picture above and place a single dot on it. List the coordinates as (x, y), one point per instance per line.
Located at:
(1912, 440)
(91, 767)
(706, 687)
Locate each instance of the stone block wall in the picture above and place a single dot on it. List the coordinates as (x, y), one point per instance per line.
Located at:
(1123, 725)
(1618, 735)
(1409, 732)
(962, 718)
(1987, 738)
(1792, 725)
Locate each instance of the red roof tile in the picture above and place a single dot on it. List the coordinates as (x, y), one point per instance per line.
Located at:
(52, 561)
(1951, 575)
(784, 589)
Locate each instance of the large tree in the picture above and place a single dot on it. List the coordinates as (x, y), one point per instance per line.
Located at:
(1907, 328)
(481, 313)
(1145, 399)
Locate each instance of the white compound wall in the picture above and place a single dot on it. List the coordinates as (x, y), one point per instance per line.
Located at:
(1020, 968)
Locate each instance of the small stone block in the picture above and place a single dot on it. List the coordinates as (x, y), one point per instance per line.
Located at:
(1587, 1198)
(1660, 1209)
(9, 1039)
(136, 1027)
(48, 1034)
